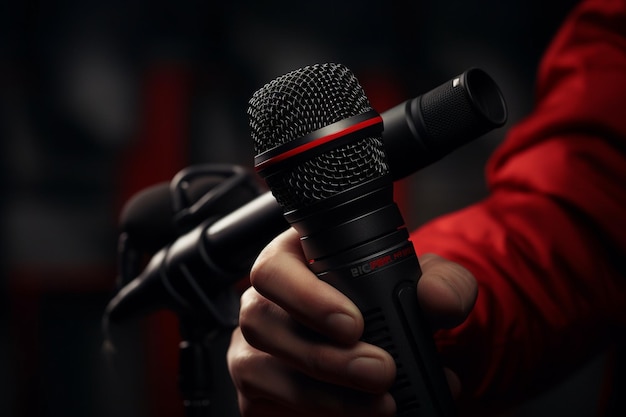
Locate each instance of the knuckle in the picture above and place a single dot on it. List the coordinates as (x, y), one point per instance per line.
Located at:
(263, 268)
(464, 284)
(238, 362)
(460, 283)
(242, 363)
(254, 308)
(243, 382)
(317, 361)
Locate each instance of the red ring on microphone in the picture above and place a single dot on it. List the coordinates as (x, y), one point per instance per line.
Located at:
(363, 125)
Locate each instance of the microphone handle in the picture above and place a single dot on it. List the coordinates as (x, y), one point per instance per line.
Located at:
(383, 287)
(358, 243)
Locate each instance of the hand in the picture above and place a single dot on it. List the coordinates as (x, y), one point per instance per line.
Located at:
(297, 350)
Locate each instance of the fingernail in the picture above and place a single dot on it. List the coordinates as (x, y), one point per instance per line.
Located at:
(364, 371)
(342, 326)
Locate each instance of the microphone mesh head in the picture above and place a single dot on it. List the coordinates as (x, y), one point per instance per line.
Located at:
(299, 103)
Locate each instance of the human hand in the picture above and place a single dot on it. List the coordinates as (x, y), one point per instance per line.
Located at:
(297, 350)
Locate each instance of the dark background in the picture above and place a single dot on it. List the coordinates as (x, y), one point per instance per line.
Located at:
(102, 99)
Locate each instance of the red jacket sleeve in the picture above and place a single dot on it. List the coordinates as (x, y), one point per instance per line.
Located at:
(548, 245)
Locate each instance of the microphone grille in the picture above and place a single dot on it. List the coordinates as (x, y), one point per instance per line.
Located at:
(301, 102)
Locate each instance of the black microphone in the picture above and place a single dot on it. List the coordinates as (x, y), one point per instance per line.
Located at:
(194, 264)
(157, 215)
(148, 217)
(180, 225)
(188, 273)
(320, 149)
(426, 128)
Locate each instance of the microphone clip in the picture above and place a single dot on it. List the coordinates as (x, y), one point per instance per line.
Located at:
(199, 195)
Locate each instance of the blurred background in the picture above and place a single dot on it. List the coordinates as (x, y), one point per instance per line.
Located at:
(102, 99)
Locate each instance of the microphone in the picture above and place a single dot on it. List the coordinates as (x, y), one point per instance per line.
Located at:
(212, 252)
(422, 130)
(190, 274)
(320, 149)
(148, 218)
(157, 215)
(186, 219)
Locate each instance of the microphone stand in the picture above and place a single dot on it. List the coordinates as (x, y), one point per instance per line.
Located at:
(211, 314)
(195, 369)
(196, 373)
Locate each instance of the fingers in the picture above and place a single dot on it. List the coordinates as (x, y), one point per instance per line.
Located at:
(297, 350)
(281, 275)
(269, 328)
(267, 386)
(446, 291)
(297, 346)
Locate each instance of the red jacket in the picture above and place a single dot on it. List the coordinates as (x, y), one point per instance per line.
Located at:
(549, 243)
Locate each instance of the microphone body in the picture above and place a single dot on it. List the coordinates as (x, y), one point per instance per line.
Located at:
(329, 172)
(357, 242)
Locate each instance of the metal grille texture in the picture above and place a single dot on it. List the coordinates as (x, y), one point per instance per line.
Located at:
(300, 102)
